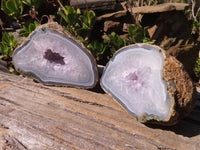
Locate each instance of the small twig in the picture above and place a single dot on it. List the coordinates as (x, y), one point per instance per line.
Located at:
(194, 15)
(1, 24)
(40, 22)
(59, 2)
(193, 6)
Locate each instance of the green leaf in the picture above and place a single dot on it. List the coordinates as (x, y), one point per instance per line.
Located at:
(28, 28)
(5, 38)
(70, 10)
(138, 34)
(4, 8)
(10, 52)
(78, 11)
(14, 43)
(63, 15)
(31, 27)
(115, 42)
(96, 48)
(92, 18)
(12, 6)
(85, 26)
(21, 6)
(7, 45)
(69, 28)
(6, 49)
(36, 24)
(27, 2)
(32, 3)
(89, 18)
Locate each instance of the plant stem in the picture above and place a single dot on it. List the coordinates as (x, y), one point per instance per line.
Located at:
(62, 7)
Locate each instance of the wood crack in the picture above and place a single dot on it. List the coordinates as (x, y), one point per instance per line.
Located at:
(11, 102)
(81, 101)
(13, 143)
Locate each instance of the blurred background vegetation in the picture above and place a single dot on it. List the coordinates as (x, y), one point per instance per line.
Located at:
(18, 18)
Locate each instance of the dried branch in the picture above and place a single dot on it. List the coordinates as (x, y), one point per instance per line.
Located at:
(194, 14)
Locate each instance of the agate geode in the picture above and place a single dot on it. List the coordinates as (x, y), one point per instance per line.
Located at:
(54, 56)
(149, 84)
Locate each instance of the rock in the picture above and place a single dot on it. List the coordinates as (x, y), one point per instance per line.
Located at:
(150, 84)
(53, 56)
(111, 26)
(152, 31)
(115, 22)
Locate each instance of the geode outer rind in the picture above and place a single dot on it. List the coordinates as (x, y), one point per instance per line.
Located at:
(180, 87)
(185, 92)
(58, 29)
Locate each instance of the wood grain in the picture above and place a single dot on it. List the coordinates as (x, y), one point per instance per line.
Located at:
(34, 116)
(93, 4)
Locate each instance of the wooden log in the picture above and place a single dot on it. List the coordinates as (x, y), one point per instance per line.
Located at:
(159, 8)
(34, 116)
(93, 4)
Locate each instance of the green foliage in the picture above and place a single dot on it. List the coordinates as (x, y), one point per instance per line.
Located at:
(75, 18)
(110, 45)
(195, 29)
(13, 8)
(78, 24)
(197, 68)
(88, 19)
(70, 15)
(28, 28)
(33, 3)
(7, 46)
(115, 42)
(97, 48)
(138, 34)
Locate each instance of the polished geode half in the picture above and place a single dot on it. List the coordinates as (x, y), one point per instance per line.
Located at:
(136, 78)
(55, 57)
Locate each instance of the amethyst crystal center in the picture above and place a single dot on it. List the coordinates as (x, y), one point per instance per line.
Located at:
(54, 57)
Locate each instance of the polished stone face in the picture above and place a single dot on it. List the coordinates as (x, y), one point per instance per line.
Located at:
(135, 78)
(55, 58)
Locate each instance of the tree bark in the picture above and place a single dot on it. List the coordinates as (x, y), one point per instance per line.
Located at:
(34, 116)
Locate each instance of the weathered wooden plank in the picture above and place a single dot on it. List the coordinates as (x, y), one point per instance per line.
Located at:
(93, 4)
(160, 8)
(34, 116)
